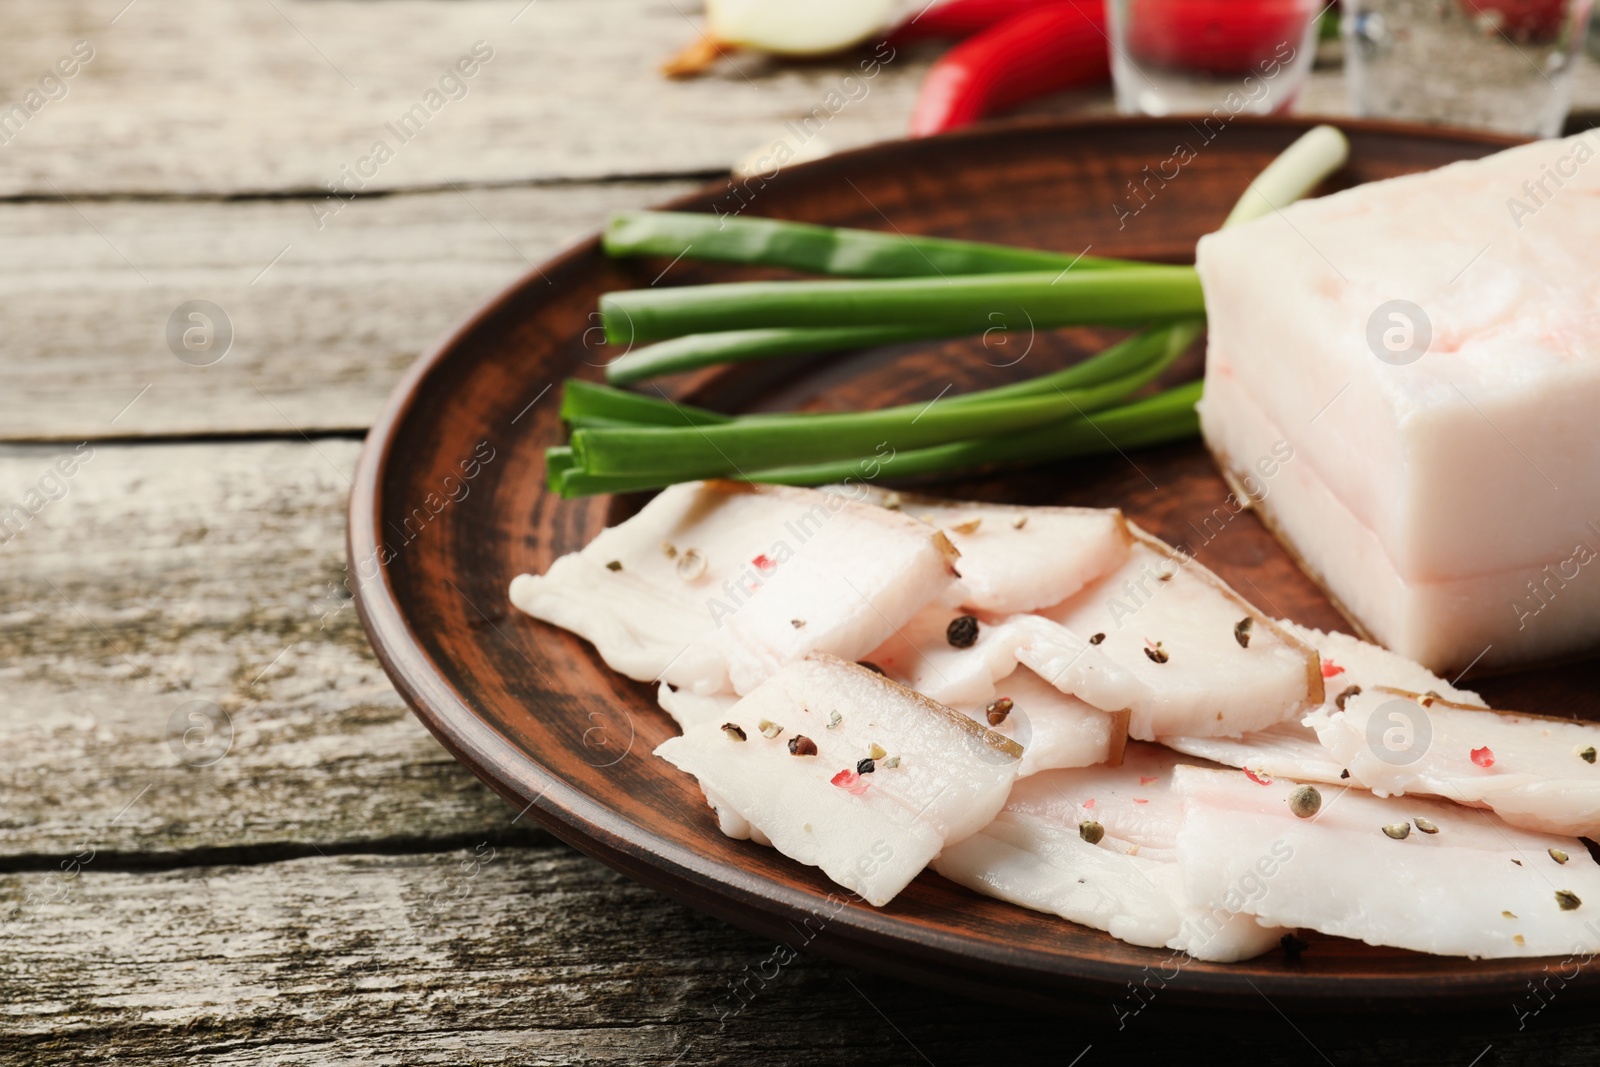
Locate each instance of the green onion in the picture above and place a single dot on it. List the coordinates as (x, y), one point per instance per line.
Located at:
(737, 346)
(968, 304)
(586, 402)
(754, 442)
(824, 249)
(1169, 416)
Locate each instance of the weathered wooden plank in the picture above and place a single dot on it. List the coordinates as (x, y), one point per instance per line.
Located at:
(186, 97)
(170, 574)
(189, 97)
(538, 956)
(323, 321)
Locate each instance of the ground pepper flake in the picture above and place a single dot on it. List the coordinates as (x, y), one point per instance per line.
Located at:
(669, 550)
(798, 624)
(1097, 638)
(866, 766)
(763, 563)
(1091, 831)
(1241, 631)
(876, 751)
(614, 566)
(769, 729)
(834, 718)
(1344, 774)
(1425, 825)
(968, 527)
(1398, 830)
(734, 730)
(1558, 855)
(962, 631)
(891, 763)
(1330, 668)
(1483, 757)
(801, 745)
(1019, 522)
(1568, 900)
(850, 780)
(1258, 779)
(1587, 755)
(1352, 691)
(1155, 652)
(998, 711)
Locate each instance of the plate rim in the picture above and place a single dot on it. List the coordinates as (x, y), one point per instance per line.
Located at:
(748, 901)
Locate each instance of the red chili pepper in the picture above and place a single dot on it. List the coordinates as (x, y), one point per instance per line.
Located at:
(956, 19)
(1217, 36)
(1483, 757)
(1037, 52)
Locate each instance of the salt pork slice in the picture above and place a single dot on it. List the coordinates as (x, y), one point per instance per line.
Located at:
(840, 768)
(1409, 873)
(714, 585)
(1291, 749)
(1534, 772)
(1403, 378)
(1098, 847)
(1165, 639)
(1017, 558)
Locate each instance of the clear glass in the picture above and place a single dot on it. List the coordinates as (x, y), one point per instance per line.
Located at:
(1497, 64)
(1238, 57)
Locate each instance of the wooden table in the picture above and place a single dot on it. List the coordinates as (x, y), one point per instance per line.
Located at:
(223, 838)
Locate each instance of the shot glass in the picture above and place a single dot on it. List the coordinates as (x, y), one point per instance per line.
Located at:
(1496, 64)
(1208, 56)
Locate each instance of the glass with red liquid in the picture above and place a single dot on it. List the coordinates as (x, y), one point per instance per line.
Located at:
(1223, 57)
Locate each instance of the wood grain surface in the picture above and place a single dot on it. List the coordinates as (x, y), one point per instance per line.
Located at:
(306, 898)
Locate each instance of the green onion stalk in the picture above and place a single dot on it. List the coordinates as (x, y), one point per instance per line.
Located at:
(894, 289)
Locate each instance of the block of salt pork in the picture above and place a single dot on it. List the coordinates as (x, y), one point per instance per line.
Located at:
(1534, 772)
(840, 768)
(1291, 749)
(1434, 470)
(1405, 872)
(714, 585)
(1120, 620)
(1099, 847)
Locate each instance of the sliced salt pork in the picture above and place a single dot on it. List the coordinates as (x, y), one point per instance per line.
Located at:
(840, 768)
(1165, 639)
(1054, 729)
(1534, 772)
(1291, 749)
(1403, 377)
(1409, 873)
(1098, 847)
(984, 681)
(1017, 558)
(714, 585)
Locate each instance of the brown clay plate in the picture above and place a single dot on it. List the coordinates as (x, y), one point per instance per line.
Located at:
(450, 503)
